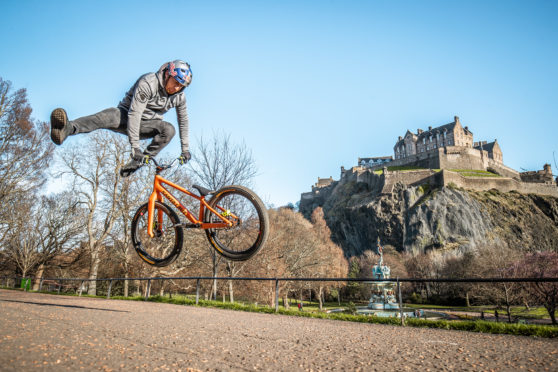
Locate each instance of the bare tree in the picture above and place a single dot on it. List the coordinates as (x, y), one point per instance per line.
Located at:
(220, 162)
(40, 231)
(332, 261)
(217, 163)
(496, 260)
(541, 265)
(25, 151)
(94, 172)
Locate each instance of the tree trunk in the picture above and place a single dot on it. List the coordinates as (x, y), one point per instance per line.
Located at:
(320, 298)
(231, 291)
(126, 284)
(552, 312)
(467, 303)
(38, 277)
(286, 304)
(214, 270)
(137, 284)
(93, 270)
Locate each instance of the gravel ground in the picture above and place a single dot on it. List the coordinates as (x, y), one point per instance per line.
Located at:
(57, 333)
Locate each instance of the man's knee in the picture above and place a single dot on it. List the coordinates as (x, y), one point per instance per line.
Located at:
(167, 131)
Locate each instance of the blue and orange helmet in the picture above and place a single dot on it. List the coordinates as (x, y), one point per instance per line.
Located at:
(180, 71)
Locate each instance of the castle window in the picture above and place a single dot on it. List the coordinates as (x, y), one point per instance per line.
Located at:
(430, 139)
(438, 137)
(424, 140)
(434, 146)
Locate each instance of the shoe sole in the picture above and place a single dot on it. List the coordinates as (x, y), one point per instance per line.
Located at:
(58, 121)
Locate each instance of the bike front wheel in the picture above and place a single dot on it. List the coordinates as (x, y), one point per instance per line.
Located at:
(165, 246)
(250, 228)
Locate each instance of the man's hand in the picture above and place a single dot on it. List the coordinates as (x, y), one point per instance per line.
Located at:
(139, 156)
(183, 159)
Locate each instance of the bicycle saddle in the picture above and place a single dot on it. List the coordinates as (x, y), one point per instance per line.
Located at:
(202, 190)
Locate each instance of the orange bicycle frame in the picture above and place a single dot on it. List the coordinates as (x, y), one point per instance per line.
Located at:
(159, 192)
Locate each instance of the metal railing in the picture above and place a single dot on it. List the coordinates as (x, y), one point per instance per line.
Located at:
(59, 282)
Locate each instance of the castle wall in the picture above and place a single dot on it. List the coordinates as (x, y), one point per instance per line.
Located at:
(457, 157)
(502, 170)
(409, 178)
(503, 184)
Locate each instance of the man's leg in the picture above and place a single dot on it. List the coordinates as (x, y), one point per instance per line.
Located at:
(111, 118)
(161, 132)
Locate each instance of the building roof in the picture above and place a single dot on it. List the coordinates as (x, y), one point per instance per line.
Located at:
(441, 129)
(487, 146)
(377, 158)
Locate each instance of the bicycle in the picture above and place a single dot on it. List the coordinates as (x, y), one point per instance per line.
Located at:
(234, 219)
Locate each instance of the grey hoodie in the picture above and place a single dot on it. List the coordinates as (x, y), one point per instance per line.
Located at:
(148, 100)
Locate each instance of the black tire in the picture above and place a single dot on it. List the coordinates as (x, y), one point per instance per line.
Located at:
(165, 247)
(248, 236)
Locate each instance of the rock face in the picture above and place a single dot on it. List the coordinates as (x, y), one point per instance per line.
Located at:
(417, 219)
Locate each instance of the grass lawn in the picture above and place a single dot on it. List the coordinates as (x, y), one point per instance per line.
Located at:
(474, 173)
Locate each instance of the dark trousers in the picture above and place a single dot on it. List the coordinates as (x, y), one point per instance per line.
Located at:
(116, 119)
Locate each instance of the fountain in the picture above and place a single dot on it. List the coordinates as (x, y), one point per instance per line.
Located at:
(383, 297)
(383, 302)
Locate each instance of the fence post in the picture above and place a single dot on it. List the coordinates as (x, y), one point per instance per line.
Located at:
(197, 291)
(148, 291)
(41, 285)
(109, 288)
(400, 302)
(276, 295)
(59, 286)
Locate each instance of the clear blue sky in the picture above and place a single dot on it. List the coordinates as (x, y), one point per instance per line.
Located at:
(310, 86)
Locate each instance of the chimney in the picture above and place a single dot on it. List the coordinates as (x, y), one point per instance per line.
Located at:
(419, 131)
(429, 128)
(400, 138)
(456, 119)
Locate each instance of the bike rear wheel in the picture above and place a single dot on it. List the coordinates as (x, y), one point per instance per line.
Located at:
(165, 246)
(251, 223)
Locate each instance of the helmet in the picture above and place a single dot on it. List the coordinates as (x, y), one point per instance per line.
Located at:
(180, 71)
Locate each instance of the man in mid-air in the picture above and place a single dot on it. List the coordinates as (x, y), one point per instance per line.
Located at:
(139, 115)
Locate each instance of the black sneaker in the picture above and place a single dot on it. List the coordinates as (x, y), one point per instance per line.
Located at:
(131, 167)
(59, 126)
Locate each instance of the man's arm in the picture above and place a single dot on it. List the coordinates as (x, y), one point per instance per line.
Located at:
(142, 94)
(182, 117)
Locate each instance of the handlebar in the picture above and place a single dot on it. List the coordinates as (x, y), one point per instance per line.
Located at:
(161, 167)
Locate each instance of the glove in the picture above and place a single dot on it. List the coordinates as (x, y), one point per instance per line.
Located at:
(183, 159)
(139, 156)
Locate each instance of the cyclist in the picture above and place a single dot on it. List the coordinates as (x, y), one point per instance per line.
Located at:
(139, 115)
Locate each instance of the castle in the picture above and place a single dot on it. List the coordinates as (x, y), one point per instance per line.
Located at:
(441, 156)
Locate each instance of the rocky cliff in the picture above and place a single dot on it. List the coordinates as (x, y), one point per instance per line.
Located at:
(417, 219)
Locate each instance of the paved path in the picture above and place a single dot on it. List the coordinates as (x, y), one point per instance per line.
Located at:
(56, 333)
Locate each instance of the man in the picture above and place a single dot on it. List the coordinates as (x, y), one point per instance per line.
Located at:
(139, 115)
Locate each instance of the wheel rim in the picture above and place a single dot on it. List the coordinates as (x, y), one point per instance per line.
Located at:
(246, 231)
(162, 246)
